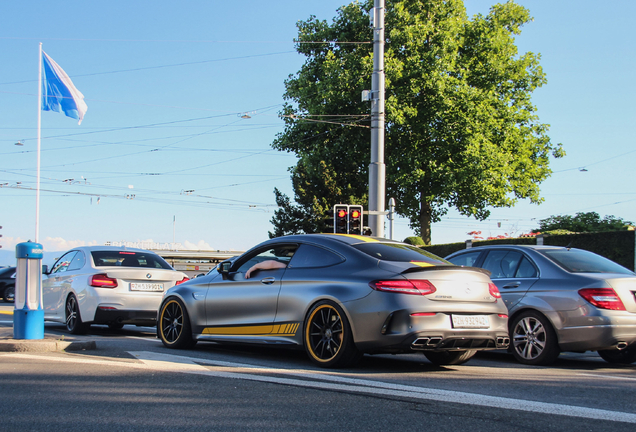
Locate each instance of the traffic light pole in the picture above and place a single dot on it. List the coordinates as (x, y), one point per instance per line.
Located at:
(377, 168)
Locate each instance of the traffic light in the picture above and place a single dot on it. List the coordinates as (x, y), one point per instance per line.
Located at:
(347, 219)
(341, 219)
(355, 219)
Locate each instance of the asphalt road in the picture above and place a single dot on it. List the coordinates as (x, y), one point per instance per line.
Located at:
(132, 383)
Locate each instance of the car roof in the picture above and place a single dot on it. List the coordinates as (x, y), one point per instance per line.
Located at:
(328, 238)
(110, 248)
(513, 246)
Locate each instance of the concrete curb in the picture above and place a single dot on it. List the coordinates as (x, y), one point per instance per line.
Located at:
(44, 345)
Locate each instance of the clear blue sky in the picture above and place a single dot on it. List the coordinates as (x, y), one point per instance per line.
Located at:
(166, 83)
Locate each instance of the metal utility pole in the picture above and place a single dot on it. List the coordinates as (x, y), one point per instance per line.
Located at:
(377, 168)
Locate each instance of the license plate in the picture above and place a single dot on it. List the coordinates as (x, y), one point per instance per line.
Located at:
(470, 321)
(145, 286)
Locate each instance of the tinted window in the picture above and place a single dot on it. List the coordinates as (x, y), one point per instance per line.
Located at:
(62, 264)
(502, 263)
(467, 259)
(281, 254)
(313, 256)
(526, 269)
(581, 261)
(398, 252)
(129, 259)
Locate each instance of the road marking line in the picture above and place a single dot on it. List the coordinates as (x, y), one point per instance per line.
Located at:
(158, 362)
(622, 378)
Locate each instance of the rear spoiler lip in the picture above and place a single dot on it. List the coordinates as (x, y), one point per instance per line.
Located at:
(446, 267)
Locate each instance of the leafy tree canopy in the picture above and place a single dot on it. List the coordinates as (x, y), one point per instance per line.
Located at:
(583, 222)
(461, 130)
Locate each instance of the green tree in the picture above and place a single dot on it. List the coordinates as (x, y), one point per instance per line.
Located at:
(583, 222)
(461, 130)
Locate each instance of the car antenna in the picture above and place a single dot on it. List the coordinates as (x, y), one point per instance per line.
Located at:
(569, 246)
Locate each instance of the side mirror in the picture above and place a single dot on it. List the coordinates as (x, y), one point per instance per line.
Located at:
(224, 267)
(45, 269)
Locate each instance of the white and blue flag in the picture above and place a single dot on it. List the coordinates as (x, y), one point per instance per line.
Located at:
(58, 92)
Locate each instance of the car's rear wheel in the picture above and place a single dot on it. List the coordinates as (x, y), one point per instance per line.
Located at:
(624, 356)
(443, 358)
(174, 326)
(9, 294)
(74, 323)
(534, 341)
(328, 338)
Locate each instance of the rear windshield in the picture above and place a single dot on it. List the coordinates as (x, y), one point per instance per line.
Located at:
(399, 252)
(581, 261)
(129, 259)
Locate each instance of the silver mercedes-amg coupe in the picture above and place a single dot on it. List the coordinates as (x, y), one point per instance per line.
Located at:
(338, 297)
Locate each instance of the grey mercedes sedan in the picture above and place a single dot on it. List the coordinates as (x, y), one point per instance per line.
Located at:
(561, 299)
(338, 297)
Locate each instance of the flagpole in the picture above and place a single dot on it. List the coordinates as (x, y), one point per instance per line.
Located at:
(37, 184)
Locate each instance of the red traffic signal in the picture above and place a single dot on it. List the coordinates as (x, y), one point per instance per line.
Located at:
(340, 219)
(355, 219)
(347, 219)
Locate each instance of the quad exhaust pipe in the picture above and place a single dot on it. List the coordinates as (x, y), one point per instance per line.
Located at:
(433, 342)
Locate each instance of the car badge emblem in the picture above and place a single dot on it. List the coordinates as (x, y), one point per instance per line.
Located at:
(148, 275)
(468, 289)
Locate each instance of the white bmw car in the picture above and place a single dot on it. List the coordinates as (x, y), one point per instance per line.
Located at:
(106, 285)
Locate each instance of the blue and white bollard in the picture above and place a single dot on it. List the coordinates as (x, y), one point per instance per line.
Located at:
(28, 314)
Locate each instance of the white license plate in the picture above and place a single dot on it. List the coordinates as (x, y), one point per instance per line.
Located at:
(145, 286)
(470, 321)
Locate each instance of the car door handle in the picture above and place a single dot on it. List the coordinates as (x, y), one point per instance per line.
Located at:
(268, 280)
(512, 285)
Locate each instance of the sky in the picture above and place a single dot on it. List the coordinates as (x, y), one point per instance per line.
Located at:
(164, 154)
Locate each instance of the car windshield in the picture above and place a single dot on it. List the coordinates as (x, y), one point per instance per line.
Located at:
(399, 252)
(129, 259)
(581, 261)
(6, 271)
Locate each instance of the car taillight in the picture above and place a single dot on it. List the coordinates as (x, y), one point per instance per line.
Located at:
(415, 287)
(103, 281)
(603, 298)
(493, 290)
(185, 279)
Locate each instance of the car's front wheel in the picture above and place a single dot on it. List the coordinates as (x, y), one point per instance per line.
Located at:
(534, 341)
(9, 294)
(443, 358)
(174, 326)
(74, 323)
(328, 338)
(624, 356)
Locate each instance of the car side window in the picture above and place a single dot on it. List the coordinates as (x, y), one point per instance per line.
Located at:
(502, 263)
(62, 264)
(78, 261)
(281, 254)
(308, 256)
(526, 269)
(467, 259)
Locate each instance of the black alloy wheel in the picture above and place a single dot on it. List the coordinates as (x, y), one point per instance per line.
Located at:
(534, 341)
(174, 325)
(74, 322)
(446, 358)
(9, 294)
(328, 338)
